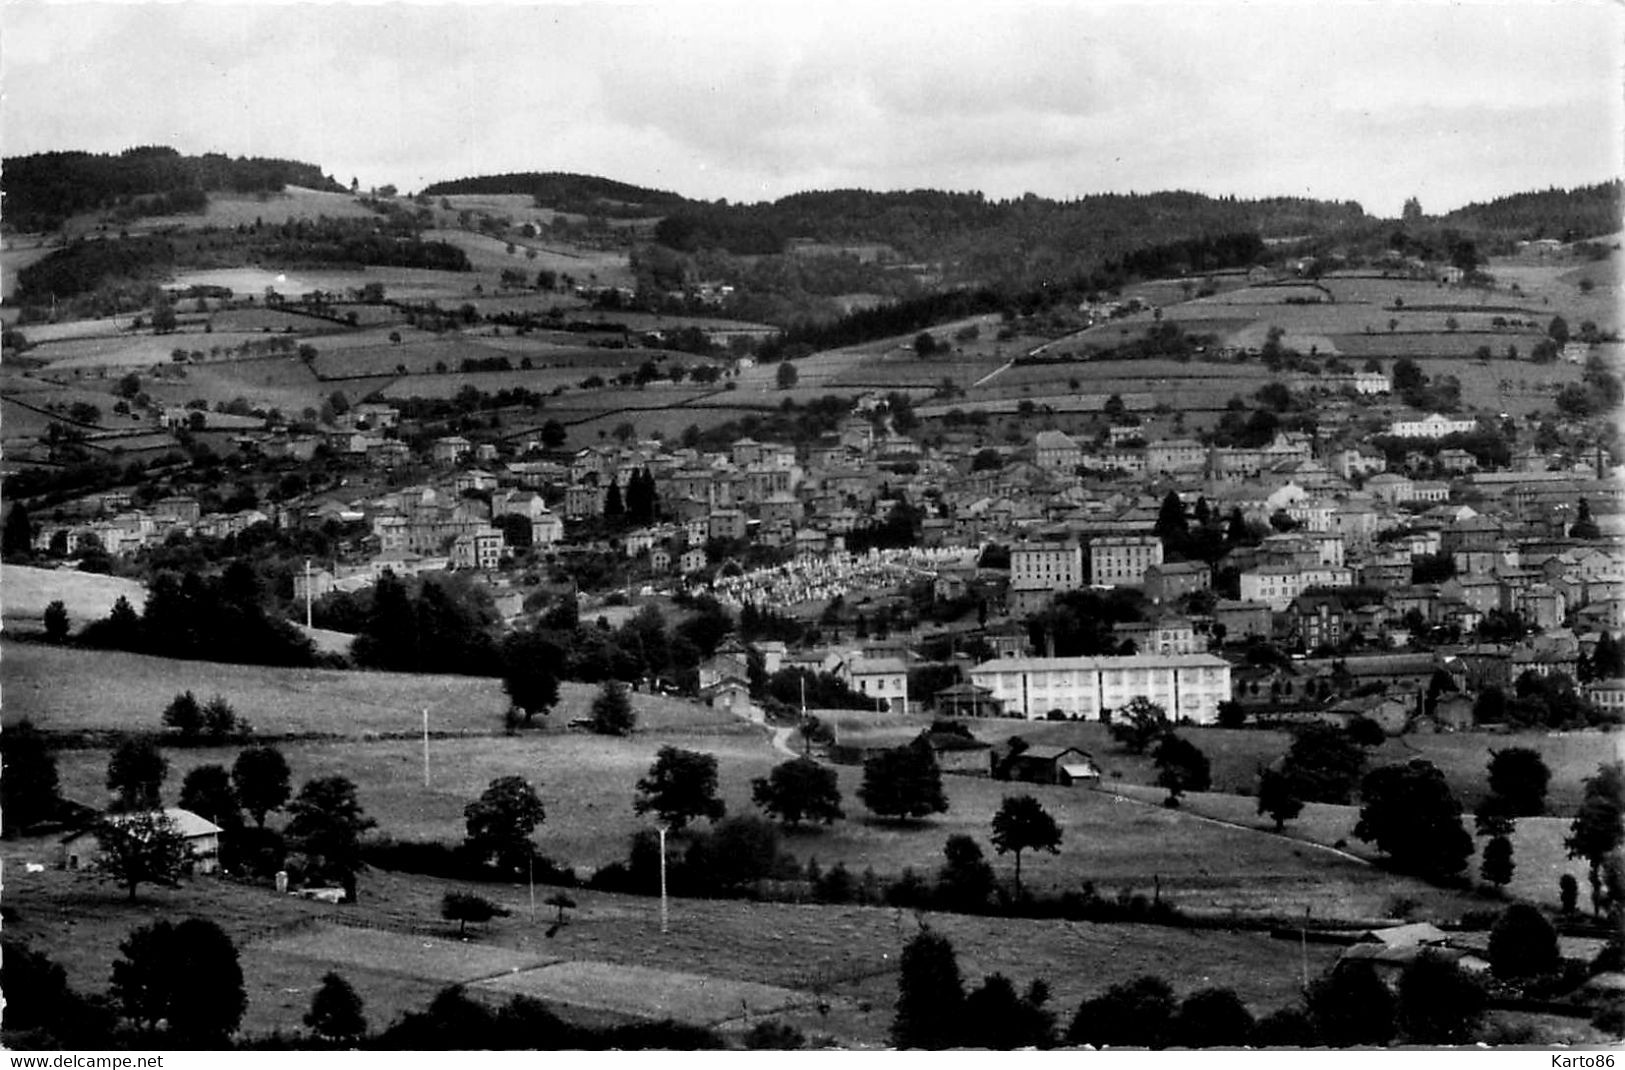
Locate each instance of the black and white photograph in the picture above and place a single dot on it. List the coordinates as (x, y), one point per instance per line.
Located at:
(632, 527)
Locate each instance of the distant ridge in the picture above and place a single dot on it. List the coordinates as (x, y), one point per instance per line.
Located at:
(566, 192)
(43, 190)
(1564, 214)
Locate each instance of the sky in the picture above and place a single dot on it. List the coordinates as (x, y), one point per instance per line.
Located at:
(1360, 100)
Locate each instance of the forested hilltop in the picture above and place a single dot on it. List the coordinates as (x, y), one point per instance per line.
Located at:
(43, 190)
(565, 192)
(1564, 214)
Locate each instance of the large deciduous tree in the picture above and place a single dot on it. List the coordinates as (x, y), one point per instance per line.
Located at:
(903, 782)
(1439, 1002)
(263, 781)
(1022, 824)
(530, 673)
(1278, 797)
(501, 822)
(1350, 1005)
(680, 787)
(930, 994)
(1139, 723)
(1212, 1018)
(465, 907)
(799, 790)
(135, 774)
(325, 824)
(965, 880)
(1137, 1014)
(141, 848)
(1519, 776)
(28, 778)
(1412, 816)
(1324, 764)
(1181, 767)
(1522, 944)
(207, 792)
(1598, 827)
(186, 975)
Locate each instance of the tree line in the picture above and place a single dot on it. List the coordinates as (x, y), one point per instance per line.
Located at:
(204, 618)
(43, 189)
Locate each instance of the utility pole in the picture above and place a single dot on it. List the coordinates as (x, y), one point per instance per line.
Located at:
(664, 916)
(307, 593)
(425, 746)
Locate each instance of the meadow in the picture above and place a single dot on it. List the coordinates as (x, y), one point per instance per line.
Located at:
(271, 382)
(86, 596)
(1214, 856)
(133, 350)
(397, 952)
(369, 725)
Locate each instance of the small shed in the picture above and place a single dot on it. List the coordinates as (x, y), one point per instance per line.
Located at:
(958, 752)
(1038, 764)
(730, 695)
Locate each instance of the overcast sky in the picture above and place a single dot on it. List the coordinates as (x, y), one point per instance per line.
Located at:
(750, 101)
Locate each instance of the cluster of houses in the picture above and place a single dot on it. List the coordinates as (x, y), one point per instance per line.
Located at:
(1347, 538)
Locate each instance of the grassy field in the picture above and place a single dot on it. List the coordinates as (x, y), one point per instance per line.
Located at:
(1539, 856)
(66, 689)
(86, 597)
(415, 284)
(133, 350)
(1237, 754)
(1120, 839)
(274, 382)
(612, 945)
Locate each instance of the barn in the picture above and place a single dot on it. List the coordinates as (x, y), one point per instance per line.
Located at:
(80, 850)
(1038, 764)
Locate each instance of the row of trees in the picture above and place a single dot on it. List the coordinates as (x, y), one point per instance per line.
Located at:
(204, 618)
(140, 845)
(1435, 1002)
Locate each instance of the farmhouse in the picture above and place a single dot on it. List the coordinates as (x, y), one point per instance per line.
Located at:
(1039, 764)
(1056, 451)
(80, 850)
(958, 751)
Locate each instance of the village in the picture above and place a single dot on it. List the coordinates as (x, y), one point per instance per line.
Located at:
(1378, 581)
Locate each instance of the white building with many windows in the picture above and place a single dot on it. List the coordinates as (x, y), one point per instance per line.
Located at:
(1189, 686)
(1121, 560)
(1433, 425)
(1051, 565)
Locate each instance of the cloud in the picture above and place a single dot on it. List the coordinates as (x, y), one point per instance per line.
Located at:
(1371, 100)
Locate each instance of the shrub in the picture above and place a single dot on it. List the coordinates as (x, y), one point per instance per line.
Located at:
(1523, 944)
(774, 1035)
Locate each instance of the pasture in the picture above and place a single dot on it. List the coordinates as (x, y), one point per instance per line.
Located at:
(64, 689)
(1215, 856)
(1237, 754)
(271, 382)
(123, 353)
(86, 597)
(490, 256)
(1539, 856)
(416, 284)
(587, 784)
(611, 963)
